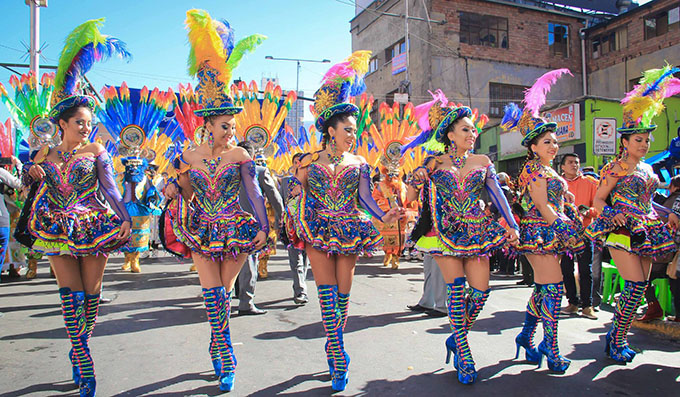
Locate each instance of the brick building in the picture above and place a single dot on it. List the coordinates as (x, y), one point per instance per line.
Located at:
(479, 52)
(621, 48)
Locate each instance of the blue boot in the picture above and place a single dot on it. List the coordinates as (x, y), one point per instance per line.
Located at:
(616, 346)
(332, 318)
(218, 307)
(74, 310)
(457, 343)
(551, 296)
(525, 338)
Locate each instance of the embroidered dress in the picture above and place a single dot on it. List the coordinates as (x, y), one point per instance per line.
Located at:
(326, 214)
(213, 223)
(644, 233)
(68, 216)
(460, 227)
(537, 236)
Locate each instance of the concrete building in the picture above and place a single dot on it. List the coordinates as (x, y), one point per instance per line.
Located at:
(621, 48)
(479, 52)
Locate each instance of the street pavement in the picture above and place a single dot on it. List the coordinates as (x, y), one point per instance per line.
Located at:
(152, 340)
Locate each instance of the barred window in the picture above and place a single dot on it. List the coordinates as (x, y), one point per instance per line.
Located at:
(485, 30)
(558, 39)
(502, 94)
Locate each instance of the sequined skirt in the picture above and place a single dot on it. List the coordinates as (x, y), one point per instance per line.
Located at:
(464, 236)
(537, 237)
(78, 231)
(336, 232)
(218, 236)
(649, 236)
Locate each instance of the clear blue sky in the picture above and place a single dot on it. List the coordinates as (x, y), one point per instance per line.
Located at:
(155, 35)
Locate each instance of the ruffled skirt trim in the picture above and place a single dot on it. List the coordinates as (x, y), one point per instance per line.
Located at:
(538, 238)
(71, 231)
(469, 237)
(226, 235)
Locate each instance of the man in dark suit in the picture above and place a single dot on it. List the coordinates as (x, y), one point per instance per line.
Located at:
(299, 264)
(248, 275)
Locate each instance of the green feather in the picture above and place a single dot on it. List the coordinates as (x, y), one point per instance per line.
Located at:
(81, 36)
(242, 47)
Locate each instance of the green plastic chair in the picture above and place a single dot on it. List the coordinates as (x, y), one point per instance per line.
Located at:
(610, 279)
(663, 294)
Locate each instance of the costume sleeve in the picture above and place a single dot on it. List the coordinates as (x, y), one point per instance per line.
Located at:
(498, 197)
(254, 194)
(107, 185)
(660, 209)
(365, 195)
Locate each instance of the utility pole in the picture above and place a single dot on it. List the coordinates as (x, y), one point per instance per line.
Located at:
(35, 35)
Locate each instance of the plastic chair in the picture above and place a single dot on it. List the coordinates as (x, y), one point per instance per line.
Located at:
(663, 294)
(610, 279)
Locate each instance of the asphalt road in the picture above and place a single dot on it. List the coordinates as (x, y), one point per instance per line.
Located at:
(152, 340)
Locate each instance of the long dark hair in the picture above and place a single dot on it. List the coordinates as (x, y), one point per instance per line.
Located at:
(68, 113)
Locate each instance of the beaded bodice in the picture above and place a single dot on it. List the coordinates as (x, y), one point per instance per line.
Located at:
(73, 187)
(634, 192)
(556, 187)
(457, 196)
(216, 194)
(337, 192)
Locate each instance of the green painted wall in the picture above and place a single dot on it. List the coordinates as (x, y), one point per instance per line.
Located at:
(591, 107)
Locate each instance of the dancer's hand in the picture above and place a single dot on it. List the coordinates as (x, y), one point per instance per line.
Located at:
(569, 197)
(620, 220)
(36, 172)
(392, 215)
(260, 240)
(171, 191)
(421, 174)
(673, 221)
(512, 236)
(124, 232)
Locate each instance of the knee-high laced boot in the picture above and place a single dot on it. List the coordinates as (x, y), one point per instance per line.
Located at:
(331, 316)
(525, 338)
(215, 356)
(474, 303)
(457, 343)
(73, 308)
(218, 308)
(617, 338)
(551, 296)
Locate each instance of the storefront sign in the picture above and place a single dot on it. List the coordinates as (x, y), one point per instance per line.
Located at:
(399, 63)
(568, 122)
(604, 136)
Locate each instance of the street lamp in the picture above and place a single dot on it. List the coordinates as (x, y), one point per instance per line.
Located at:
(297, 80)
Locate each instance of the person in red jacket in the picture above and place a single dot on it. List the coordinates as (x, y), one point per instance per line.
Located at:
(583, 188)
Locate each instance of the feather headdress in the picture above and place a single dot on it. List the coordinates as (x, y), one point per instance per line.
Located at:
(212, 59)
(342, 80)
(84, 46)
(395, 128)
(645, 100)
(434, 118)
(528, 120)
(261, 119)
(30, 107)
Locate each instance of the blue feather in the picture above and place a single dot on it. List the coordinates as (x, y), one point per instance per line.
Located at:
(511, 116)
(417, 141)
(344, 92)
(88, 55)
(655, 85)
(303, 137)
(227, 35)
(358, 86)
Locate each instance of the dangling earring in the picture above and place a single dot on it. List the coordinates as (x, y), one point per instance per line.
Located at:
(332, 146)
(624, 156)
(333, 155)
(211, 140)
(452, 149)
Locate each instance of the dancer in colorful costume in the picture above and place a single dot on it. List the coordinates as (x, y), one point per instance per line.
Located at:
(208, 217)
(550, 229)
(395, 128)
(327, 218)
(629, 223)
(453, 226)
(29, 109)
(72, 226)
(259, 122)
(135, 128)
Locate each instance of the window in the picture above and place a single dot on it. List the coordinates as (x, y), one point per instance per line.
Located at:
(609, 42)
(558, 39)
(662, 23)
(502, 94)
(395, 49)
(373, 65)
(486, 30)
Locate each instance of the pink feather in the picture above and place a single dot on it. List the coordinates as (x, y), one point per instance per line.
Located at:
(534, 97)
(338, 71)
(672, 87)
(635, 92)
(421, 111)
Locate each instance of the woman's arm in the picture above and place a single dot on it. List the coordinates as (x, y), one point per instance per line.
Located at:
(107, 185)
(254, 194)
(538, 190)
(498, 197)
(365, 195)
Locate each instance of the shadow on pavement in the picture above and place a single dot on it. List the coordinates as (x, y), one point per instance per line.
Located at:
(208, 390)
(50, 388)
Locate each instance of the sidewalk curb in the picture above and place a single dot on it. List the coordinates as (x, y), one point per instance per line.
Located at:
(669, 329)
